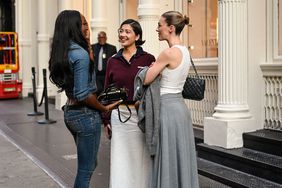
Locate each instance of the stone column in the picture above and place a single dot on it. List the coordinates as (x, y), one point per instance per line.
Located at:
(232, 116)
(148, 14)
(98, 20)
(43, 45)
(23, 28)
(65, 5)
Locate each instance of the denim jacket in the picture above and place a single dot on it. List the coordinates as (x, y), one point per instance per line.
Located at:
(84, 84)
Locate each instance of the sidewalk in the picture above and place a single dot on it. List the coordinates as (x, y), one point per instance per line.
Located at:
(35, 155)
(48, 146)
(17, 170)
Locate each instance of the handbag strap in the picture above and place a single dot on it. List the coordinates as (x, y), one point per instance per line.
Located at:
(125, 103)
(194, 67)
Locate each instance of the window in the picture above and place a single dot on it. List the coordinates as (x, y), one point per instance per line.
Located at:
(275, 13)
(203, 30)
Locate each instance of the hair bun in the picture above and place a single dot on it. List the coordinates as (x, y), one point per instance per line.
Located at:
(186, 20)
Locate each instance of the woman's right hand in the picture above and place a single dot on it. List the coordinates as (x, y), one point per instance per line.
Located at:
(111, 106)
(93, 102)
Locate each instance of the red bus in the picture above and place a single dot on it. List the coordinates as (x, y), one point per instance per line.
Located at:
(10, 85)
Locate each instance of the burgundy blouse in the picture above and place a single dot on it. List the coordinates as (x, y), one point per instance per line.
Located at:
(122, 73)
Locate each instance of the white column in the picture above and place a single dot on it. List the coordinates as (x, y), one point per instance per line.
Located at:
(98, 20)
(148, 14)
(43, 45)
(61, 98)
(232, 116)
(65, 5)
(23, 28)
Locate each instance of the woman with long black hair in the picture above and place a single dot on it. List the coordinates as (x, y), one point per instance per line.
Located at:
(71, 70)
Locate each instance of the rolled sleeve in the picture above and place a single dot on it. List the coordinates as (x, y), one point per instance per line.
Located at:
(83, 86)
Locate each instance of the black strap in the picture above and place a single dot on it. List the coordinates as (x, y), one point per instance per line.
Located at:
(128, 116)
(194, 67)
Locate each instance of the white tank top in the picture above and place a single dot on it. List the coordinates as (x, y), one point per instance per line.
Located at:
(172, 80)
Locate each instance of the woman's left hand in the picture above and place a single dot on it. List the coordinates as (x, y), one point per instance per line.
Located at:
(136, 105)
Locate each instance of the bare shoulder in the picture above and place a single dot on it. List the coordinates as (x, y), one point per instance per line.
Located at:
(166, 53)
(170, 54)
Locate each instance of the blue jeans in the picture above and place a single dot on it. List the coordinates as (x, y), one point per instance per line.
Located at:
(85, 126)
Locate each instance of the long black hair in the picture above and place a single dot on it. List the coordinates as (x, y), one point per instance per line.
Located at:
(67, 28)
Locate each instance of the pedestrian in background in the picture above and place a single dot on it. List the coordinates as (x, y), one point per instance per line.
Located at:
(174, 164)
(72, 71)
(129, 155)
(102, 52)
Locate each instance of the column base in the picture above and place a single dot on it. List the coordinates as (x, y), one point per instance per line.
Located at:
(227, 133)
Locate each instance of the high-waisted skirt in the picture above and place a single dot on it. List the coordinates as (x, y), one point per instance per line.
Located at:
(130, 160)
(175, 164)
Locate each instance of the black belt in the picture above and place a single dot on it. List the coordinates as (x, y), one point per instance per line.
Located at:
(73, 107)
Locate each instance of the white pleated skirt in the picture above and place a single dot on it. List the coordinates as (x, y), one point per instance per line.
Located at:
(130, 160)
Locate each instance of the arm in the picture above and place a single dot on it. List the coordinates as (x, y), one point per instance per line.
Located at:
(92, 101)
(170, 58)
(83, 89)
(157, 67)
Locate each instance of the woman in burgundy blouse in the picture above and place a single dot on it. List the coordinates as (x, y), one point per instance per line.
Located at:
(129, 155)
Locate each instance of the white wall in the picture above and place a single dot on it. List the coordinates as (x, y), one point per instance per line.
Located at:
(257, 33)
(113, 22)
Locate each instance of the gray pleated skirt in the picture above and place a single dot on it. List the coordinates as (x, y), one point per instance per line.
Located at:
(175, 164)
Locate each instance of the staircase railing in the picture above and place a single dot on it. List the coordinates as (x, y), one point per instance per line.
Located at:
(204, 108)
(273, 102)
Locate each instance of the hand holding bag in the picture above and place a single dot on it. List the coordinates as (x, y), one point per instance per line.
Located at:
(111, 94)
(194, 87)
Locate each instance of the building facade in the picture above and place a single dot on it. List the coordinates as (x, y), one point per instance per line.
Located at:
(236, 46)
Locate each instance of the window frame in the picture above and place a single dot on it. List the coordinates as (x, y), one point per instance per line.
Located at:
(275, 27)
(185, 37)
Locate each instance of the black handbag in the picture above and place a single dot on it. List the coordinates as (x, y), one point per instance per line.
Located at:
(194, 87)
(112, 94)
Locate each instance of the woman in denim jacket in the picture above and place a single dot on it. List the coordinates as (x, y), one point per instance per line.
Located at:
(71, 70)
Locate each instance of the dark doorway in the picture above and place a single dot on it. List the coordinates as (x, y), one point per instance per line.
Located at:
(7, 15)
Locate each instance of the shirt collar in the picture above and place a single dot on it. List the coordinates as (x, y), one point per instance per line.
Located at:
(139, 52)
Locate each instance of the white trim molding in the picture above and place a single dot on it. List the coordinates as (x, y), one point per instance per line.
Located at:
(271, 69)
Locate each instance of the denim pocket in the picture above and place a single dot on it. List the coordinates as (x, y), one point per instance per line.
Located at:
(73, 121)
(83, 121)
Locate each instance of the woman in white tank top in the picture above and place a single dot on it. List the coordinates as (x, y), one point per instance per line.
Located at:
(174, 164)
